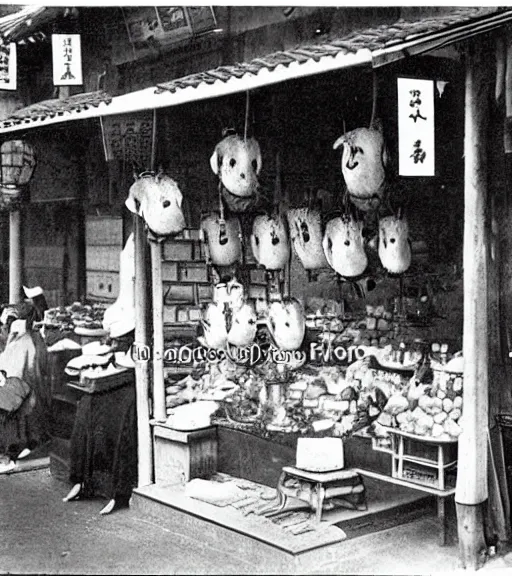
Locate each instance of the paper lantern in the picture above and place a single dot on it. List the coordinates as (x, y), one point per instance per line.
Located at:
(18, 163)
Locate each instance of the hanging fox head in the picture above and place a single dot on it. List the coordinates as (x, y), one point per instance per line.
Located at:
(394, 244)
(363, 165)
(157, 199)
(237, 162)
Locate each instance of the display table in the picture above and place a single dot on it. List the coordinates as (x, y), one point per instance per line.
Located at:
(421, 463)
(344, 487)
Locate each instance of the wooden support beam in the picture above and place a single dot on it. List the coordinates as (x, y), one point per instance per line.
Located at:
(471, 491)
(159, 410)
(15, 259)
(145, 444)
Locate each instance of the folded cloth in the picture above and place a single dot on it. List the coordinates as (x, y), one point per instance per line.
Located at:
(13, 393)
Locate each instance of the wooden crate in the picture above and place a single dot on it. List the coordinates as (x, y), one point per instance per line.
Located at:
(179, 293)
(169, 271)
(103, 285)
(182, 456)
(193, 272)
(179, 250)
(103, 257)
(104, 231)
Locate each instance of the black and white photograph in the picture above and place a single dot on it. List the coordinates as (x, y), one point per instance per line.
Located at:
(255, 289)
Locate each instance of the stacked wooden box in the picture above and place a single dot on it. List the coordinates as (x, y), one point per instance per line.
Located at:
(185, 277)
(104, 243)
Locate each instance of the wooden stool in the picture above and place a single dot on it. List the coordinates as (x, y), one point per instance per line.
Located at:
(345, 487)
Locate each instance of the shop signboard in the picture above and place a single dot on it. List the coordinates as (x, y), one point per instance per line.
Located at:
(416, 140)
(67, 60)
(129, 138)
(8, 66)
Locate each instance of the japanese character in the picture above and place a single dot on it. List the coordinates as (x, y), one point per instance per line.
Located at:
(419, 154)
(67, 73)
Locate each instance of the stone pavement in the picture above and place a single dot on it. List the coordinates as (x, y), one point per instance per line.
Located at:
(41, 534)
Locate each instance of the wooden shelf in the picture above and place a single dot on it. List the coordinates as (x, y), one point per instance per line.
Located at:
(407, 483)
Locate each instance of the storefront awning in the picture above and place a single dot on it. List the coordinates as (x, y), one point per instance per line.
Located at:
(23, 26)
(374, 46)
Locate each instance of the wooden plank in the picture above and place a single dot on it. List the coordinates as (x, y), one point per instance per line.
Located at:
(471, 490)
(103, 257)
(144, 439)
(15, 257)
(159, 409)
(104, 231)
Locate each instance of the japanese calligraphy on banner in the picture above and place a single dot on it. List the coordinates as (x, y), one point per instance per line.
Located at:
(67, 60)
(416, 139)
(8, 66)
(129, 138)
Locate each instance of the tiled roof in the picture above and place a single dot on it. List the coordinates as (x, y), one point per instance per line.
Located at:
(57, 107)
(374, 38)
(23, 25)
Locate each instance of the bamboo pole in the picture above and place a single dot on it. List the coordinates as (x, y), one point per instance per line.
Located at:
(471, 489)
(159, 411)
(15, 263)
(145, 445)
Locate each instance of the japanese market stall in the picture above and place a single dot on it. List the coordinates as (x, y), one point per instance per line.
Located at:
(328, 66)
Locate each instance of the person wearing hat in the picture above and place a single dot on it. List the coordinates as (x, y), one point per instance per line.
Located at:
(23, 426)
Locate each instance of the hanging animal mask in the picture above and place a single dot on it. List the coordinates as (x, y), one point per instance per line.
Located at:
(157, 199)
(223, 239)
(269, 241)
(214, 323)
(394, 244)
(287, 323)
(230, 293)
(306, 234)
(363, 164)
(237, 162)
(343, 245)
(243, 327)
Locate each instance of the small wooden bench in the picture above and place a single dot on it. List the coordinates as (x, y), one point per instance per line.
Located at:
(342, 487)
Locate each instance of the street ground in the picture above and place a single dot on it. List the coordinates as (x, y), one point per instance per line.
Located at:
(41, 534)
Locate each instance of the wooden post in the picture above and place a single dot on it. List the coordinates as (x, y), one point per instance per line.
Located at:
(471, 489)
(15, 263)
(145, 444)
(159, 411)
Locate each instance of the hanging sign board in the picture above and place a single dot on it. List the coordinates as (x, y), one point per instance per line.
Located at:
(67, 60)
(8, 66)
(416, 140)
(129, 138)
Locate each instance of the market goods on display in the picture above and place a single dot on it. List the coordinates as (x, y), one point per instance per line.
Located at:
(432, 409)
(343, 245)
(394, 244)
(223, 238)
(237, 163)
(363, 164)
(76, 315)
(157, 199)
(270, 242)
(287, 323)
(306, 235)
(214, 324)
(242, 331)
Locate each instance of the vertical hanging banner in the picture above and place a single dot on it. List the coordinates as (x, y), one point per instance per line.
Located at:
(129, 138)
(416, 139)
(67, 60)
(8, 66)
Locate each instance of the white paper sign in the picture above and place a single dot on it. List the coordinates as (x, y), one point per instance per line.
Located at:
(416, 139)
(8, 66)
(67, 60)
